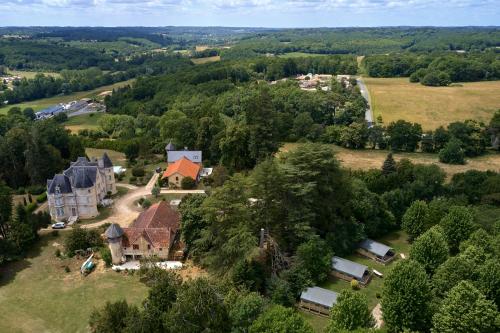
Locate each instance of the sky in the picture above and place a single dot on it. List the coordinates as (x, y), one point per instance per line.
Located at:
(249, 13)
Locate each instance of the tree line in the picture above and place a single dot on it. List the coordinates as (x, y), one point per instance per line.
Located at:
(69, 81)
(435, 69)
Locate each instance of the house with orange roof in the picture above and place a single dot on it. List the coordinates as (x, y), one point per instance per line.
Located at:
(179, 170)
(151, 234)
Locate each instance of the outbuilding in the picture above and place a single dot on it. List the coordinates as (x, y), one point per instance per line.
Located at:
(376, 251)
(318, 300)
(349, 270)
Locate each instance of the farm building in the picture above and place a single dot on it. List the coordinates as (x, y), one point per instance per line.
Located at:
(318, 300)
(376, 251)
(349, 270)
(179, 170)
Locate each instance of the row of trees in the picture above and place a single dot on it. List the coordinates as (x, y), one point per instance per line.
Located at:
(18, 226)
(42, 86)
(435, 69)
(32, 152)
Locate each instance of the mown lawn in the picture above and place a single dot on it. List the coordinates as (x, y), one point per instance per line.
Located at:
(43, 103)
(37, 295)
(85, 121)
(397, 98)
(396, 240)
(116, 157)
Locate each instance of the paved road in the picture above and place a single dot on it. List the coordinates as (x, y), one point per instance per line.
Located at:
(366, 95)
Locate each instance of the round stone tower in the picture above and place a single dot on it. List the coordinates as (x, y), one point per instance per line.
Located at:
(114, 234)
(105, 163)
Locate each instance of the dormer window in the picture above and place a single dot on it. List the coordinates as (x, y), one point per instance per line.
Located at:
(58, 190)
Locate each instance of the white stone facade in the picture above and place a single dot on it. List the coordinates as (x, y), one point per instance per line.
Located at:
(80, 189)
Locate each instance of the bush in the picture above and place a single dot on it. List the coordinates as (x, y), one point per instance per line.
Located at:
(82, 239)
(133, 179)
(106, 256)
(55, 233)
(452, 153)
(146, 204)
(188, 183)
(41, 198)
(31, 207)
(57, 253)
(138, 171)
(354, 284)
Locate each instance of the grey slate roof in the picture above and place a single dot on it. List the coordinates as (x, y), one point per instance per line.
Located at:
(106, 161)
(319, 296)
(62, 181)
(374, 247)
(193, 155)
(170, 146)
(83, 176)
(348, 267)
(113, 231)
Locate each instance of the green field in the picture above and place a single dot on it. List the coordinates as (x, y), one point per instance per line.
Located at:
(43, 103)
(397, 98)
(86, 121)
(37, 295)
(31, 75)
(300, 55)
(199, 61)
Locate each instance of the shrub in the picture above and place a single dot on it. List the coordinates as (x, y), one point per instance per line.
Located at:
(57, 253)
(133, 179)
(138, 171)
(106, 256)
(188, 183)
(82, 239)
(55, 233)
(452, 153)
(31, 207)
(41, 198)
(354, 284)
(146, 204)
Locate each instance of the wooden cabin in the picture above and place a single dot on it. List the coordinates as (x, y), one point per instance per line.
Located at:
(376, 251)
(318, 300)
(349, 270)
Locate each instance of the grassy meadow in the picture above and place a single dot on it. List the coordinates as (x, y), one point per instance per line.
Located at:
(37, 295)
(397, 98)
(199, 61)
(364, 159)
(85, 121)
(43, 103)
(301, 55)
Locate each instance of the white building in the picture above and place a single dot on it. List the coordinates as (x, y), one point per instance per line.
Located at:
(81, 188)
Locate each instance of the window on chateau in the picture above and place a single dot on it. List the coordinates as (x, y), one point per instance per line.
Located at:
(135, 247)
(149, 247)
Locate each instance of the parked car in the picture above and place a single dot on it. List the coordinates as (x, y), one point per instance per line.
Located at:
(59, 225)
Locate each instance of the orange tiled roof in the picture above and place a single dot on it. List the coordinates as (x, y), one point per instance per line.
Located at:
(183, 166)
(157, 225)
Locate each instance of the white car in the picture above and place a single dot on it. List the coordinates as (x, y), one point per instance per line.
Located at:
(59, 225)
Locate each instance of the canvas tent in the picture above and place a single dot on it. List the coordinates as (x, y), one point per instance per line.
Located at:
(349, 270)
(318, 300)
(376, 251)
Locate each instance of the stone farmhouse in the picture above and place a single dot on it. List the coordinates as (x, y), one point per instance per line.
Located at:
(151, 234)
(79, 190)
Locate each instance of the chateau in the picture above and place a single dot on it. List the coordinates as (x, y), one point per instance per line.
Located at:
(81, 188)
